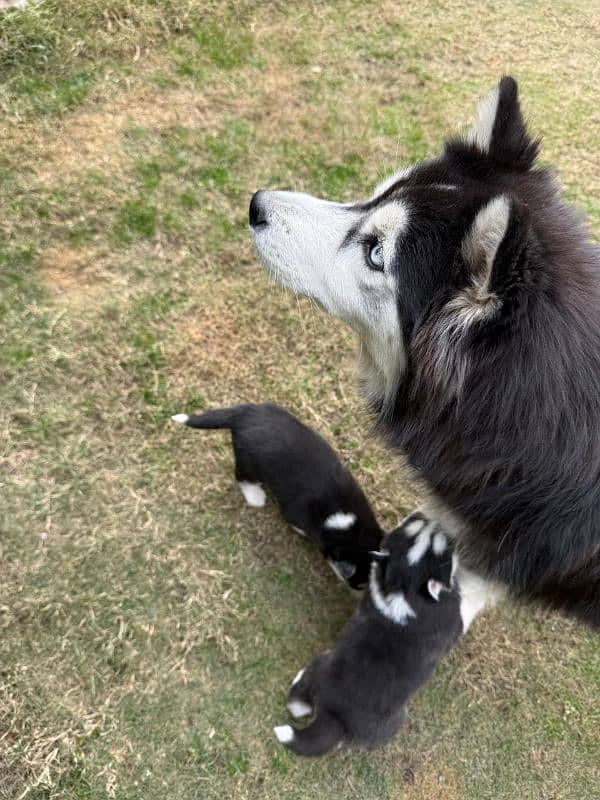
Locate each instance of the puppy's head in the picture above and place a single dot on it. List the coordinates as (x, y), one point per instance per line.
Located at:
(414, 561)
(348, 553)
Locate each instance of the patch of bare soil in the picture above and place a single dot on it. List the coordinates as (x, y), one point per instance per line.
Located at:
(75, 273)
(93, 138)
(429, 780)
(216, 353)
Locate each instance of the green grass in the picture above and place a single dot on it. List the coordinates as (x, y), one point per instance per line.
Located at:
(150, 622)
(53, 96)
(227, 44)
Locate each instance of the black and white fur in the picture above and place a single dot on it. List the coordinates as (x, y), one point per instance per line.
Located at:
(316, 493)
(407, 621)
(475, 293)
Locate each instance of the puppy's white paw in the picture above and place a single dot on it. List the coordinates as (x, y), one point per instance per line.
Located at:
(253, 493)
(298, 708)
(284, 733)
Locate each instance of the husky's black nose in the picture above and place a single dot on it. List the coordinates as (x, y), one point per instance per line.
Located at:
(257, 213)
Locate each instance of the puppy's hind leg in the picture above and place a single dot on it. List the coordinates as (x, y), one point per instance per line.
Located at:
(302, 691)
(300, 696)
(325, 733)
(253, 493)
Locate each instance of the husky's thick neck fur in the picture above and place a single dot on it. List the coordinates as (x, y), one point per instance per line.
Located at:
(475, 292)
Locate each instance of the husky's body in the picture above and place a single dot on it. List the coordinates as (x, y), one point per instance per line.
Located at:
(475, 293)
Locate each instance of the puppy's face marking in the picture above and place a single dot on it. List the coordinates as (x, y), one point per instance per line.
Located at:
(413, 560)
(394, 606)
(421, 544)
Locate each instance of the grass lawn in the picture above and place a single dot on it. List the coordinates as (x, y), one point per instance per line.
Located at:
(150, 622)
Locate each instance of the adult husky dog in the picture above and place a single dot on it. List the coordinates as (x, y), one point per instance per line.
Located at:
(475, 294)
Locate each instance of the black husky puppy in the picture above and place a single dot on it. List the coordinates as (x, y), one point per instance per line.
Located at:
(407, 621)
(316, 493)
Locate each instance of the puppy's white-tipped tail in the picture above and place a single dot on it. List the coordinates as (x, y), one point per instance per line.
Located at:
(180, 418)
(284, 733)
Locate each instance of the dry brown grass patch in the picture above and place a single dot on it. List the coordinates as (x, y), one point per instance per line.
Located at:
(93, 138)
(75, 274)
(281, 106)
(428, 779)
(219, 355)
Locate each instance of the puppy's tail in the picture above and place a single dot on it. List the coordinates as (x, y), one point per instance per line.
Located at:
(218, 418)
(325, 733)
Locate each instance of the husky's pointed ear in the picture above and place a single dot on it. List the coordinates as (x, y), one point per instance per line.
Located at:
(500, 131)
(482, 241)
(493, 251)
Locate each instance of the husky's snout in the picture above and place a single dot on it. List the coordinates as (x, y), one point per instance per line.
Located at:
(257, 213)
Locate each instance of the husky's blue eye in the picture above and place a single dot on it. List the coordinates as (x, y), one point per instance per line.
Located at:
(375, 256)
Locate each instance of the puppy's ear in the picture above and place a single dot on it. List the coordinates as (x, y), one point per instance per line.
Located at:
(500, 131)
(440, 575)
(434, 588)
(495, 252)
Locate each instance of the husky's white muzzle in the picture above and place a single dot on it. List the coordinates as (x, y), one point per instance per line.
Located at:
(318, 248)
(298, 239)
